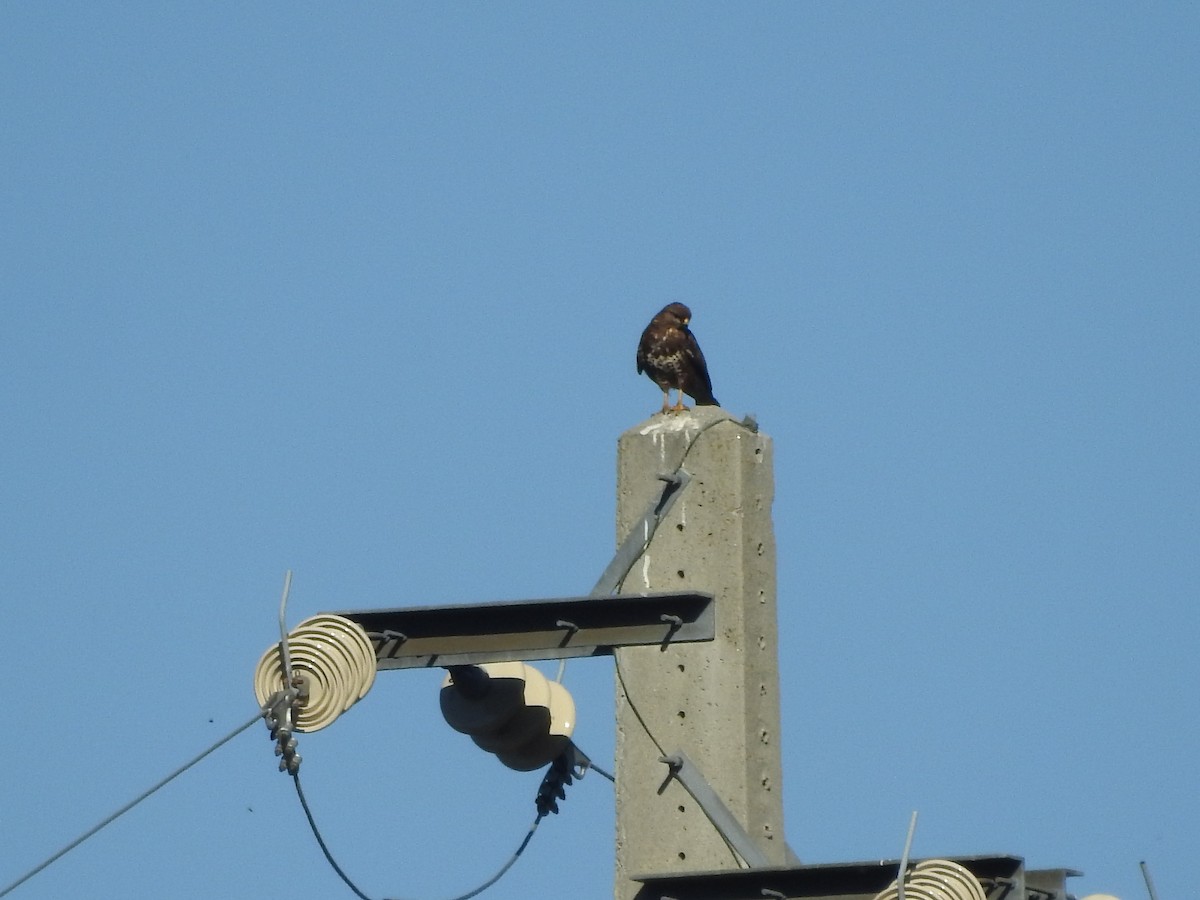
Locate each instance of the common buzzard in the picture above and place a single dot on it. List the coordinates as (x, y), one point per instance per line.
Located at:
(670, 356)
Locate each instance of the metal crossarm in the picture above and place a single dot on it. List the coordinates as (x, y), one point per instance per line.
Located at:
(414, 637)
(1000, 876)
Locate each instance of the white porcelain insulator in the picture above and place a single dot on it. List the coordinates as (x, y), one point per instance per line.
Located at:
(335, 659)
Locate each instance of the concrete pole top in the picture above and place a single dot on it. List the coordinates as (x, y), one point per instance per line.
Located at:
(691, 420)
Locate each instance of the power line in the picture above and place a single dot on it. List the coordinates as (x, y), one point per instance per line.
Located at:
(130, 805)
(573, 764)
(307, 813)
(312, 824)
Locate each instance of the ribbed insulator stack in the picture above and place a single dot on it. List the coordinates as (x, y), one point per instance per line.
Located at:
(936, 879)
(510, 709)
(335, 661)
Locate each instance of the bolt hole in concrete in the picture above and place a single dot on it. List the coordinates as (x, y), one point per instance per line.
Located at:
(682, 855)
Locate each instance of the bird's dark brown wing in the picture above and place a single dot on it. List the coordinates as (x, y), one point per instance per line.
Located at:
(696, 382)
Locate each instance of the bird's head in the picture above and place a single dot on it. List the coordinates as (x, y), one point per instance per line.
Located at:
(677, 313)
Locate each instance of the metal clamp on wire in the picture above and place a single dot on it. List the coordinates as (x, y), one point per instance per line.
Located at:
(284, 705)
(280, 715)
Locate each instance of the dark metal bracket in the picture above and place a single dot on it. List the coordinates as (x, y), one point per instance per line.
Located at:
(838, 881)
(639, 536)
(686, 773)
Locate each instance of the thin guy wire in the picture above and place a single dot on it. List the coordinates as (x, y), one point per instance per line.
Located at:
(312, 824)
(130, 805)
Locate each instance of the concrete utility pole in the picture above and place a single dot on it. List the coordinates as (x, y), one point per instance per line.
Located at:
(717, 702)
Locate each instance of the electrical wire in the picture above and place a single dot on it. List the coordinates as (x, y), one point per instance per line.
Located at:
(748, 423)
(737, 858)
(637, 713)
(508, 865)
(303, 803)
(294, 771)
(130, 805)
(312, 824)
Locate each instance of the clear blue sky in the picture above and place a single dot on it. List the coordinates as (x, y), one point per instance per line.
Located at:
(356, 291)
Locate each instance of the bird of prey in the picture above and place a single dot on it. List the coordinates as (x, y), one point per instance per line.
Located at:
(669, 355)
